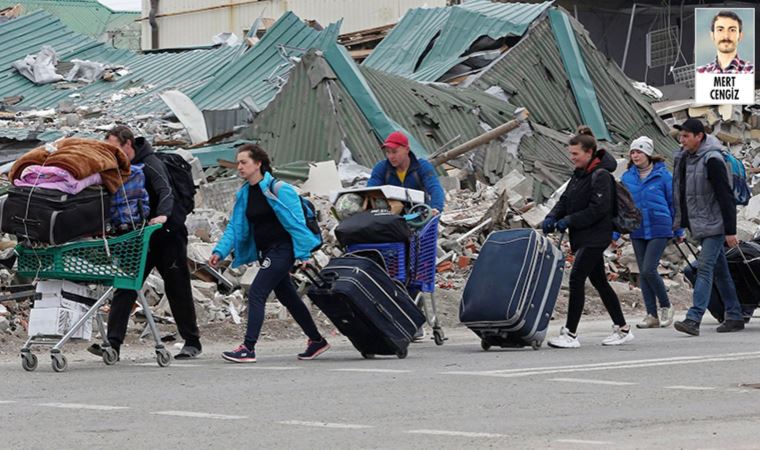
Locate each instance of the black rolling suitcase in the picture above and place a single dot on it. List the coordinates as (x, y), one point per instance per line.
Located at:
(510, 295)
(368, 307)
(54, 217)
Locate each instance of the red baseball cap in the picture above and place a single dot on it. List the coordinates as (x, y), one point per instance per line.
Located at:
(395, 140)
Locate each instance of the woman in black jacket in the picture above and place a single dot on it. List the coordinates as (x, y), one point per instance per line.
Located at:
(586, 209)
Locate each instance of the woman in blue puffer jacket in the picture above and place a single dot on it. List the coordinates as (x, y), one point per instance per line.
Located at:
(651, 185)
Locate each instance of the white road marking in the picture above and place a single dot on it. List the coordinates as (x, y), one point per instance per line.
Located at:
(615, 365)
(153, 364)
(6, 402)
(250, 367)
(198, 415)
(691, 388)
(83, 406)
(371, 370)
(583, 442)
(345, 426)
(587, 381)
(457, 433)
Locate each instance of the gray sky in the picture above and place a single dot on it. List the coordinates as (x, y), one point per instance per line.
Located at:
(122, 5)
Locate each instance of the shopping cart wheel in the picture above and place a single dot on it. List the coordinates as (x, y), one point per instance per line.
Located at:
(401, 354)
(368, 355)
(59, 362)
(438, 336)
(485, 345)
(163, 357)
(29, 361)
(535, 345)
(110, 356)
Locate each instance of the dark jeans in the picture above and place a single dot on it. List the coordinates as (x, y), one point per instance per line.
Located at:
(714, 267)
(715, 306)
(274, 275)
(168, 254)
(648, 254)
(589, 263)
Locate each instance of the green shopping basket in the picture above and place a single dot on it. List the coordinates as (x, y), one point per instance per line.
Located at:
(119, 264)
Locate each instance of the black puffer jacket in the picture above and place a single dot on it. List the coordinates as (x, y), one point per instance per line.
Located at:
(587, 203)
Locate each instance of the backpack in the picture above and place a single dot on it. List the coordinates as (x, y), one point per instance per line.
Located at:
(737, 178)
(183, 186)
(626, 217)
(130, 204)
(309, 213)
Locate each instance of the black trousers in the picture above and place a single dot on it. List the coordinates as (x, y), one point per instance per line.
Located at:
(168, 254)
(589, 263)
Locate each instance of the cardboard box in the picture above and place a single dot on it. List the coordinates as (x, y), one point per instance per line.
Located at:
(58, 287)
(55, 301)
(57, 322)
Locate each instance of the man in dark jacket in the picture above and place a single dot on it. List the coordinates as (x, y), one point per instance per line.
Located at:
(704, 203)
(167, 250)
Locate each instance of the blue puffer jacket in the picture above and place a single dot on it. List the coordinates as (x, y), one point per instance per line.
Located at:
(654, 198)
(238, 235)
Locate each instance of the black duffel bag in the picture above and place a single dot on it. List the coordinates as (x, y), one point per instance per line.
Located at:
(54, 217)
(375, 226)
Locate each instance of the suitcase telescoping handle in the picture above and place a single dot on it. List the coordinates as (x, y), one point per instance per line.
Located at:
(691, 249)
(318, 279)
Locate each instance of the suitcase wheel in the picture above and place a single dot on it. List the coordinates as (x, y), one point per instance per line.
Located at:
(368, 355)
(485, 345)
(535, 345)
(401, 354)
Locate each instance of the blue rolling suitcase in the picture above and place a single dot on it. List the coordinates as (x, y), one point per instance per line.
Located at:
(510, 295)
(367, 306)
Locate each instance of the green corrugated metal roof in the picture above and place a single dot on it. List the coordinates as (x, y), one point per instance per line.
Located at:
(575, 67)
(448, 33)
(148, 73)
(434, 114)
(532, 75)
(248, 75)
(312, 118)
(314, 115)
(88, 17)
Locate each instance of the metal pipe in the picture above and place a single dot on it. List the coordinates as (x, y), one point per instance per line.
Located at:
(628, 38)
(521, 115)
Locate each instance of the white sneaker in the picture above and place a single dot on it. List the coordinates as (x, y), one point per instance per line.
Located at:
(666, 316)
(564, 340)
(618, 336)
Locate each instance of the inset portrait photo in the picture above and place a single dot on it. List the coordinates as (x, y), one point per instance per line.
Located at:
(725, 40)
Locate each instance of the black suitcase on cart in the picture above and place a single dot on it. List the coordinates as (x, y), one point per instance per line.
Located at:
(54, 217)
(372, 310)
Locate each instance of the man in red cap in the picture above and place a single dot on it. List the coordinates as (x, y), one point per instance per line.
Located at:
(402, 168)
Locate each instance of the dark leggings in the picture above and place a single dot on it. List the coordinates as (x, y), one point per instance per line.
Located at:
(589, 263)
(274, 275)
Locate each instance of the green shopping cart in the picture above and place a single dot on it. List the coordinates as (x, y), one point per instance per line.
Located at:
(115, 263)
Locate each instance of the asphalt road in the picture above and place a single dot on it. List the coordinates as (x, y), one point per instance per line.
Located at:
(663, 390)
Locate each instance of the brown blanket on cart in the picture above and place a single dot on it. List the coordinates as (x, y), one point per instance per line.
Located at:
(81, 158)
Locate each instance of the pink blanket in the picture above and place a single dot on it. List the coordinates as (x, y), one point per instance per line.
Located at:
(50, 177)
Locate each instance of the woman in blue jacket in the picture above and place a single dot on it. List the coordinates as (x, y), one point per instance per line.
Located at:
(651, 185)
(268, 226)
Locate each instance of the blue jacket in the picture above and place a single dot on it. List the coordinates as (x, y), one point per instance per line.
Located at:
(238, 235)
(654, 197)
(420, 176)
